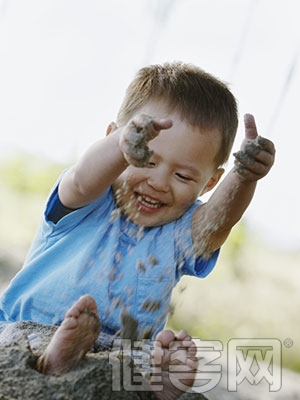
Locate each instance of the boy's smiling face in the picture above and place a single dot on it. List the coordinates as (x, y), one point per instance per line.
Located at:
(181, 168)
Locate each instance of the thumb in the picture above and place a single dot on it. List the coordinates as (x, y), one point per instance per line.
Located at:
(164, 123)
(250, 127)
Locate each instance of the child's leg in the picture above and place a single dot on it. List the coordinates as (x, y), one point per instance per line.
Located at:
(73, 338)
(174, 359)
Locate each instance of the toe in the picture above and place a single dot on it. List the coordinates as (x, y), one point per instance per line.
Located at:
(183, 335)
(84, 303)
(165, 337)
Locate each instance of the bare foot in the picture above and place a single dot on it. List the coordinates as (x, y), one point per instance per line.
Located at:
(174, 360)
(73, 338)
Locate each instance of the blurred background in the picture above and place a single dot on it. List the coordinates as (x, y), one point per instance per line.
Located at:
(64, 68)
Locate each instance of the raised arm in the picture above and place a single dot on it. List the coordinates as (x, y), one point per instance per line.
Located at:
(106, 159)
(213, 220)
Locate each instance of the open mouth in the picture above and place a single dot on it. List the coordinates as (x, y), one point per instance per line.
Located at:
(149, 202)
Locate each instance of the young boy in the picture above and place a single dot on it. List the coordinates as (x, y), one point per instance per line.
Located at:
(124, 224)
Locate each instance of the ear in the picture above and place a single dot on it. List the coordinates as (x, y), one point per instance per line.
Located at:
(111, 127)
(213, 181)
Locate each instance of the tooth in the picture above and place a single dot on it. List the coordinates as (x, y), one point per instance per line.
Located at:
(149, 202)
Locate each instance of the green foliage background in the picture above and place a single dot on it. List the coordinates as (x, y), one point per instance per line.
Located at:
(28, 175)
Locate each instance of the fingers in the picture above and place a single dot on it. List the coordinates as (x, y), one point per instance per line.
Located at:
(136, 135)
(160, 124)
(252, 153)
(253, 162)
(251, 134)
(257, 154)
(149, 126)
(267, 145)
(247, 167)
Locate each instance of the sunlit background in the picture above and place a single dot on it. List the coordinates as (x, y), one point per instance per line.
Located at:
(64, 68)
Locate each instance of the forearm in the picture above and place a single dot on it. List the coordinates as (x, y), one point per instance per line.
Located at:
(213, 221)
(98, 168)
(102, 164)
(231, 199)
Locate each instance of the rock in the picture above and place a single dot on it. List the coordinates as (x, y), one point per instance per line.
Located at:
(90, 380)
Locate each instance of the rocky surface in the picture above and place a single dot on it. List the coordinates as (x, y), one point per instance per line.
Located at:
(90, 380)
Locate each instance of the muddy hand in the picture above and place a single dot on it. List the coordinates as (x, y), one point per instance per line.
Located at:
(138, 132)
(257, 154)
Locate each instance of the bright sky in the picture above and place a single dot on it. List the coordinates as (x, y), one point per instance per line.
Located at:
(65, 64)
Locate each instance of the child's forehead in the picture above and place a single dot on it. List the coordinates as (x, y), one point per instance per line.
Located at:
(157, 107)
(186, 136)
(163, 108)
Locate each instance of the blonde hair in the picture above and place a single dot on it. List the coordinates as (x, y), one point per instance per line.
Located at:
(200, 98)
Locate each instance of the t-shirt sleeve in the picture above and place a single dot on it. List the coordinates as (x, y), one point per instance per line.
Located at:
(204, 265)
(59, 219)
(55, 209)
(187, 262)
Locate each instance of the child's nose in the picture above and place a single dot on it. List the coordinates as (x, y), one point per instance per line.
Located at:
(159, 179)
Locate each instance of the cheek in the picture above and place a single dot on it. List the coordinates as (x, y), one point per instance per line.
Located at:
(133, 175)
(128, 180)
(186, 198)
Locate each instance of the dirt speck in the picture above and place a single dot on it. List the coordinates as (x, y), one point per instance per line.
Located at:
(130, 326)
(151, 306)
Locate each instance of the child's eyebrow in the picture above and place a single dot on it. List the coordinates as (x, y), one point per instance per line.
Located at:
(188, 167)
(185, 166)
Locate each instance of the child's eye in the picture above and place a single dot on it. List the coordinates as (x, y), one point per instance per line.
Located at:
(151, 164)
(183, 177)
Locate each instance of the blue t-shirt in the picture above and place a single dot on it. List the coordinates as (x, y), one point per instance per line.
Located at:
(96, 250)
